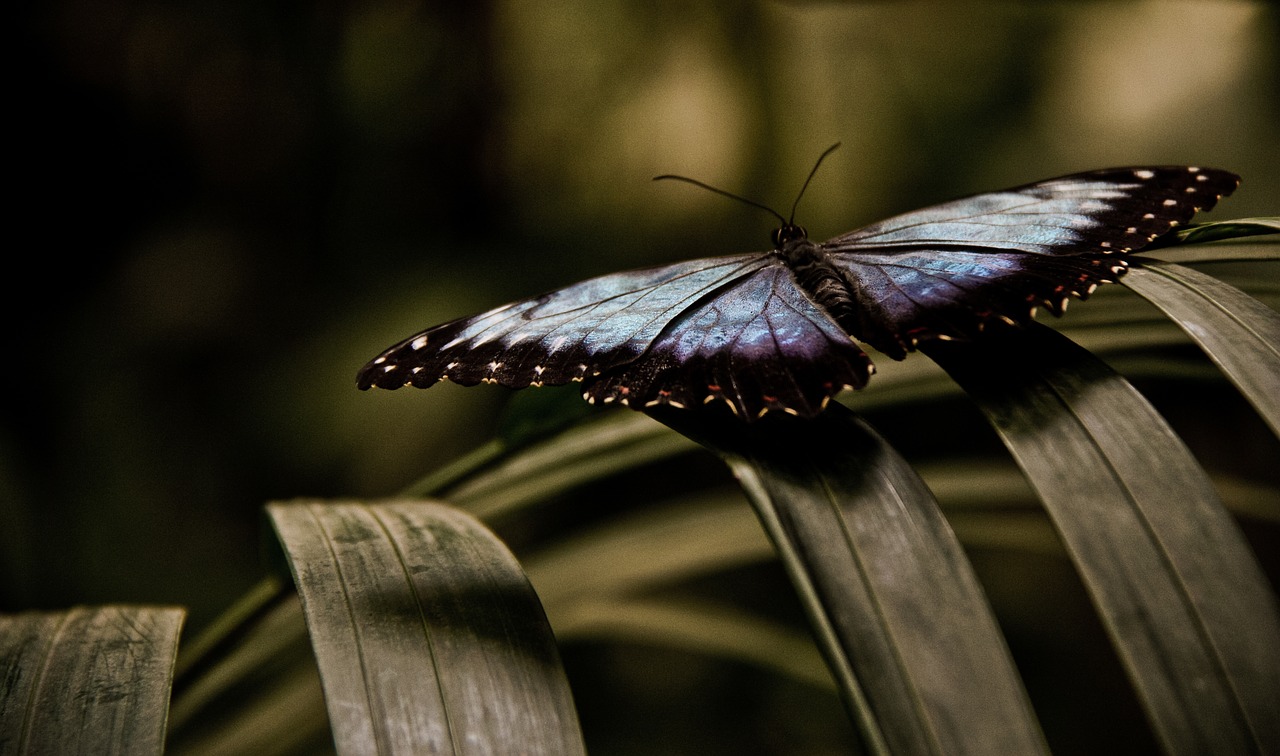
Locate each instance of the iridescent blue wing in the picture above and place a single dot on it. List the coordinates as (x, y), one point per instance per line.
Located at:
(566, 335)
(737, 329)
(760, 344)
(949, 270)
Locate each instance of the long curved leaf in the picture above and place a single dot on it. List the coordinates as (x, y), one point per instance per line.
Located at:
(590, 452)
(1195, 233)
(427, 634)
(899, 615)
(256, 690)
(87, 680)
(1181, 594)
(1238, 332)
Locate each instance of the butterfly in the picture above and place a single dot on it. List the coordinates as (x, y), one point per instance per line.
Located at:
(778, 331)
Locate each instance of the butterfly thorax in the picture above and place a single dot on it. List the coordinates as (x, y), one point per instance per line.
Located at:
(822, 281)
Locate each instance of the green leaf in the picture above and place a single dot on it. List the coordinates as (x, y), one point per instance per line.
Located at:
(592, 451)
(699, 628)
(426, 632)
(87, 680)
(651, 550)
(893, 601)
(1196, 233)
(529, 420)
(1185, 602)
(253, 690)
(1239, 333)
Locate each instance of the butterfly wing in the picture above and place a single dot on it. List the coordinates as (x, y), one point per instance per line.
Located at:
(948, 270)
(759, 344)
(565, 335)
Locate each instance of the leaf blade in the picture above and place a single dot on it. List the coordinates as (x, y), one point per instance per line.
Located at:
(1240, 334)
(1169, 572)
(452, 651)
(90, 679)
(1196, 233)
(898, 613)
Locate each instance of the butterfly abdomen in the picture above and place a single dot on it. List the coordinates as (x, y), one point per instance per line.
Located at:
(822, 281)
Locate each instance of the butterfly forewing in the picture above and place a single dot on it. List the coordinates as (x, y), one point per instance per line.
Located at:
(948, 270)
(1115, 210)
(565, 335)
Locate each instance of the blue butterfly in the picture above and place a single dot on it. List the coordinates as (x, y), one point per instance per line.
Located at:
(776, 330)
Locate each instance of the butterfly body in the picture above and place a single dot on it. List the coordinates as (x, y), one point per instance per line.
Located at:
(776, 330)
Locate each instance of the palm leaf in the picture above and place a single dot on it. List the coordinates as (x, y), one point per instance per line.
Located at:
(426, 632)
(87, 680)
(1169, 572)
(899, 615)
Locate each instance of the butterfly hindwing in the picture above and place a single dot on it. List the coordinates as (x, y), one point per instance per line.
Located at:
(561, 336)
(760, 344)
(948, 270)
(910, 296)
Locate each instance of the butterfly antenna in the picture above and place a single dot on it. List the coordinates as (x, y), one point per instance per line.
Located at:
(722, 192)
(796, 204)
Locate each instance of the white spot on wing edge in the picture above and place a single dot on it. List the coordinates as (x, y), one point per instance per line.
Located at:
(380, 360)
(1144, 174)
(1170, 202)
(418, 343)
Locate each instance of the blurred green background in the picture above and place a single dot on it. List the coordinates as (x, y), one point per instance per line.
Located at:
(227, 208)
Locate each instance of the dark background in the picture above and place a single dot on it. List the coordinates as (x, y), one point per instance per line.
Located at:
(222, 210)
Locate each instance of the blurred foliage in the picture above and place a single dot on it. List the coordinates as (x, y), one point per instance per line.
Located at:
(229, 207)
